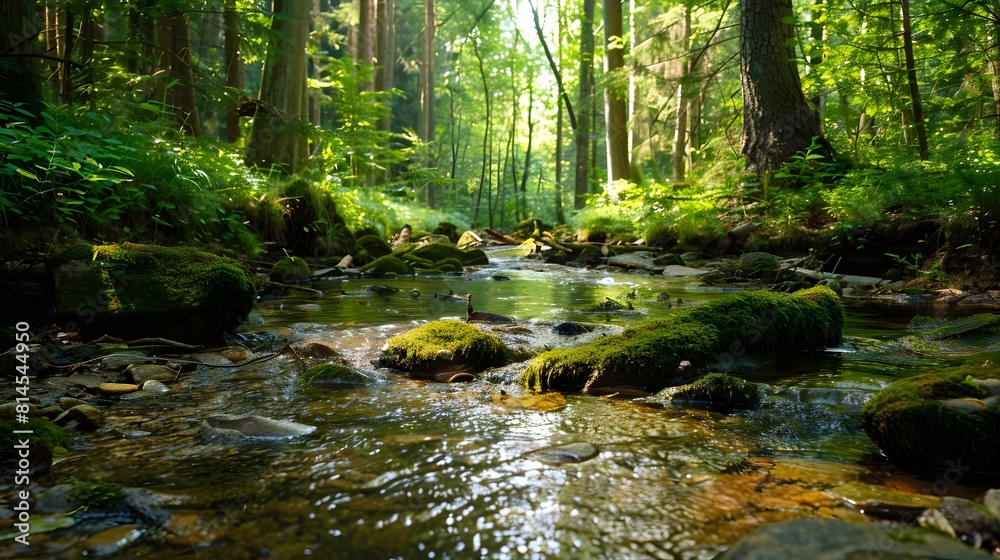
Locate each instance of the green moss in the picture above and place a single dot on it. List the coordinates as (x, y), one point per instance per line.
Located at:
(173, 292)
(646, 355)
(930, 329)
(374, 245)
(43, 431)
(332, 372)
(414, 260)
(450, 265)
(290, 270)
(649, 354)
(910, 424)
(444, 345)
(758, 265)
(436, 252)
(721, 391)
(387, 265)
(97, 495)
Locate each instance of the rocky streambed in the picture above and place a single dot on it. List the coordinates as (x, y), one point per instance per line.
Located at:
(247, 450)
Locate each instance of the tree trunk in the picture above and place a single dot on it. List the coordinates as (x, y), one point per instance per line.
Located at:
(426, 120)
(585, 103)
(911, 75)
(366, 44)
(777, 120)
(385, 51)
(523, 194)
(67, 24)
(175, 42)
(234, 68)
(560, 213)
(277, 137)
(20, 76)
(683, 87)
(615, 104)
(486, 133)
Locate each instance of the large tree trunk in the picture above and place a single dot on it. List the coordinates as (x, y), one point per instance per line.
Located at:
(615, 105)
(911, 75)
(560, 213)
(234, 68)
(682, 93)
(175, 40)
(385, 51)
(20, 75)
(777, 120)
(366, 44)
(585, 103)
(277, 136)
(426, 120)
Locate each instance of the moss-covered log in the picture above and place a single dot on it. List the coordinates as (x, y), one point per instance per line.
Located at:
(650, 354)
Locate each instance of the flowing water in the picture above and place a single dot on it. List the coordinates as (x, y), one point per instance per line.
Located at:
(402, 468)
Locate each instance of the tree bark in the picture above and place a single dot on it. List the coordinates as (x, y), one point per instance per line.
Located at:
(234, 68)
(777, 120)
(277, 136)
(560, 213)
(615, 104)
(911, 76)
(20, 76)
(683, 87)
(585, 103)
(426, 120)
(385, 51)
(366, 44)
(175, 40)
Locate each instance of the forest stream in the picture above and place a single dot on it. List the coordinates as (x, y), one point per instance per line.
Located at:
(405, 468)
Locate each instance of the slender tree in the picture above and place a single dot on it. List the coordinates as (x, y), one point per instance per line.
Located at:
(426, 120)
(777, 120)
(911, 77)
(234, 67)
(615, 104)
(278, 133)
(175, 59)
(585, 102)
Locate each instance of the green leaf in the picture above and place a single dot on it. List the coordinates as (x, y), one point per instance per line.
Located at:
(27, 174)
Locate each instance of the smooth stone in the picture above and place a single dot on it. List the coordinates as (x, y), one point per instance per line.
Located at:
(934, 519)
(258, 426)
(154, 386)
(966, 404)
(86, 416)
(545, 402)
(194, 528)
(564, 454)
(8, 411)
(568, 328)
(146, 372)
(117, 388)
(833, 539)
(67, 403)
(642, 260)
(123, 361)
(972, 522)
(859, 494)
(110, 541)
(316, 349)
(992, 386)
(992, 502)
(677, 271)
(38, 359)
(54, 500)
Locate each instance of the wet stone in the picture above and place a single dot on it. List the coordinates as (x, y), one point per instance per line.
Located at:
(564, 454)
(257, 426)
(145, 372)
(86, 416)
(568, 328)
(110, 541)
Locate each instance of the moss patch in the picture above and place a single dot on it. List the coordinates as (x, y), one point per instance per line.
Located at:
(44, 433)
(131, 290)
(387, 265)
(290, 270)
(374, 245)
(648, 355)
(436, 252)
(719, 391)
(98, 495)
(917, 431)
(334, 373)
(446, 345)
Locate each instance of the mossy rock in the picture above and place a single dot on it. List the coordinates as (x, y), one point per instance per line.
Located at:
(437, 252)
(333, 373)
(374, 246)
(290, 270)
(719, 391)
(649, 355)
(446, 345)
(388, 264)
(915, 425)
(450, 265)
(133, 291)
(43, 432)
(97, 495)
(447, 229)
(758, 265)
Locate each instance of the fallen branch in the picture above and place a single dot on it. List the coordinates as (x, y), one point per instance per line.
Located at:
(163, 342)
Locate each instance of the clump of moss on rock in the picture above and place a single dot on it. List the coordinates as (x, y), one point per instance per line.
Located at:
(131, 290)
(290, 270)
(930, 423)
(649, 355)
(446, 345)
(436, 252)
(719, 391)
(386, 265)
(98, 495)
(43, 432)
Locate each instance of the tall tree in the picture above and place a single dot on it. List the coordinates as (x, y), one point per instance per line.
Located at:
(175, 44)
(777, 120)
(20, 73)
(386, 53)
(234, 67)
(585, 102)
(366, 43)
(615, 103)
(911, 77)
(426, 120)
(278, 134)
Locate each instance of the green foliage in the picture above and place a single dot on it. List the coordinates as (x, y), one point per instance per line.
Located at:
(43, 432)
(105, 496)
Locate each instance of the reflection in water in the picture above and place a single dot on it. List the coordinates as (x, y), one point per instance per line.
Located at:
(402, 468)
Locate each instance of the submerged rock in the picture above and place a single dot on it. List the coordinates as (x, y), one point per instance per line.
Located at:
(333, 373)
(571, 329)
(642, 260)
(719, 391)
(564, 454)
(836, 539)
(650, 354)
(131, 290)
(918, 424)
(290, 270)
(257, 426)
(446, 345)
(758, 265)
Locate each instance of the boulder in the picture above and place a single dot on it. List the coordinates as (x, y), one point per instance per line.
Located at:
(256, 426)
(650, 354)
(719, 391)
(334, 374)
(915, 423)
(440, 346)
(87, 417)
(133, 291)
(387, 265)
(833, 538)
(642, 260)
(290, 270)
(758, 265)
